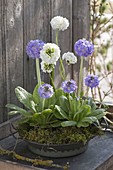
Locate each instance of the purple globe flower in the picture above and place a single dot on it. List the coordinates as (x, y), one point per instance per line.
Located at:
(91, 81)
(34, 47)
(45, 91)
(83, 48)
(69, 86)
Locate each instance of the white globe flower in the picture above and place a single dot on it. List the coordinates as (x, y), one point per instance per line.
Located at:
(59, 23)
(50, 53)
(69, 57)
(47, 67)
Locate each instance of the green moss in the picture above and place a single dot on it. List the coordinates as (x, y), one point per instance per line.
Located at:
(59, 135)
(35, 162)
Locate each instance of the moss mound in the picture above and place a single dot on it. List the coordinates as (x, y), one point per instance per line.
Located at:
(67, 135)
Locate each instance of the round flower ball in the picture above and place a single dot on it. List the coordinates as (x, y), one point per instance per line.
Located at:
(33, 48)
(45, 91)
(91, 81)
(59, 23)
(83, 48)
(47, 67)
(50, 53)
(69, 86)
(69, 57)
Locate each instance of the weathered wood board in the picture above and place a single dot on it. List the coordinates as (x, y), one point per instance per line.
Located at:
(9, 165)
(3, 90)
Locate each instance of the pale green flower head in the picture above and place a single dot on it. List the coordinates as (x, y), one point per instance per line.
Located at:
(47, 67)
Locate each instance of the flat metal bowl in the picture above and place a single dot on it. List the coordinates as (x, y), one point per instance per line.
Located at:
(57, 150)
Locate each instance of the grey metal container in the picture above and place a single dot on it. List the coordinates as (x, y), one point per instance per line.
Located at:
(57, 151)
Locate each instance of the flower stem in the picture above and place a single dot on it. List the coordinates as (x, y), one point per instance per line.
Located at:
(68, 96)
(51, 78)
(38, 72)
(92, 94)
(43, 103)
(57, 37)
(80, 77)
(61, 69)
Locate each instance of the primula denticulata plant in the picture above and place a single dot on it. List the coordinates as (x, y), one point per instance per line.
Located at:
(65, 106)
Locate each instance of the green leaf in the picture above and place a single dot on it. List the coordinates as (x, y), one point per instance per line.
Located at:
(73, 105)
(59, 92)
(98, 113)
(61, 112)
(82, 124)
(48, 114)
(56, 124)
(37, 119)
(42, 118)
(47, 111)
(87, 121)
(99, 116)
(78, 105)
(81, 94)
(73, 108)
(64, 103)
(24, 120)
(32, 106)
(91, 103)
(68, 123)
(83, 112)
(86, 111)
(90, 119)
(36, 94)
(18, 110)
(25, 98)
(58, 115)
(77, 115)
(13, 112)
(50, 101)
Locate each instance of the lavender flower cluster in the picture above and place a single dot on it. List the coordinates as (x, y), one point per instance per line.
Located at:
(45, 91)
(69, 86)
(91, 81)
(34, 47)
(83, 48)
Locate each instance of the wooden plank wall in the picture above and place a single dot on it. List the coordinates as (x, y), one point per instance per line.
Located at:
(23, 20)
(3, 90)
